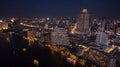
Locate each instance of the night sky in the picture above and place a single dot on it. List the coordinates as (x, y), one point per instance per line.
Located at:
(37, 8)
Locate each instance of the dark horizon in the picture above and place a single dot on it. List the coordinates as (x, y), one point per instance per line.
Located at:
(53, 8)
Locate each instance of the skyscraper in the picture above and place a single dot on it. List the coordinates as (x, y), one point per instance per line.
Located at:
(102, 38)
(83, 22)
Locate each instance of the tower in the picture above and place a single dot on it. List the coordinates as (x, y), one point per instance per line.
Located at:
(83, 22)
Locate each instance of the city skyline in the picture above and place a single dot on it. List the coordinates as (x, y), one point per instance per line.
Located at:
(53, 8)
(59, 33)
(60, 42)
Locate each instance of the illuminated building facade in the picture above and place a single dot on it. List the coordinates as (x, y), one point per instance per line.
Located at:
(106, 58)
(101, 58)
(83, 24)
(59, 37)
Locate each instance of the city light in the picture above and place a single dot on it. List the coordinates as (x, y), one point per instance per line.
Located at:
(1, 20)
(74, 29)
(84, 10)
(13, 19)
(36, 62)
(24, 49)
(48, 18)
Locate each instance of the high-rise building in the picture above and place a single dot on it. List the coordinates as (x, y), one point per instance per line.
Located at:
(102, 37)
(83, 25)
(59, 37)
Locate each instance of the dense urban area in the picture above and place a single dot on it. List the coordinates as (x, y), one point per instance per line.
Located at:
(82, 41)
